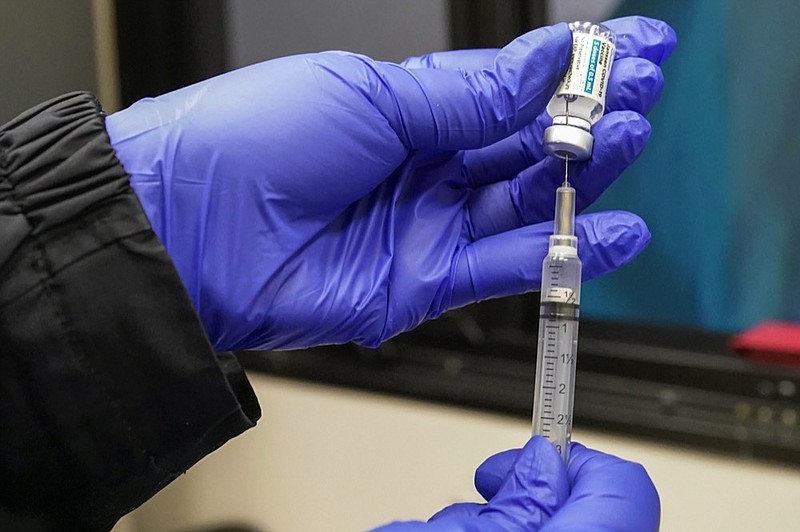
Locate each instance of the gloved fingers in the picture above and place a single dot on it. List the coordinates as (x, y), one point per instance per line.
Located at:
(643, 37)
(535, 487)
(461, 517)
(459, 510)
(490, 474)
(617, 494)
(404, 526)
(511, 263)
(453, 109)
(504, 159)
(635, 84)
(454, 59)
(529, 198)
(620, 138)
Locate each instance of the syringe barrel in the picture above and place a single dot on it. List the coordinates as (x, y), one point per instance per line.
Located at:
(557, 348)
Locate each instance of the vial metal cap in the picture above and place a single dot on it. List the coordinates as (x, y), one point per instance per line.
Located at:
(562, 140)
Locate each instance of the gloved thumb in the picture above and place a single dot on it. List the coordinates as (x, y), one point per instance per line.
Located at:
(454, 109)
(492, 472)
(535, 488)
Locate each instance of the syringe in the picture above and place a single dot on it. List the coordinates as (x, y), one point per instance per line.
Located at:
(570, 138)
(554, 390)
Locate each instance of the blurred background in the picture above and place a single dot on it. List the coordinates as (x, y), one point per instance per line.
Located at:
(352, 438)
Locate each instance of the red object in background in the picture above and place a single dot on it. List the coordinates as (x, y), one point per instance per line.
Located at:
(772, 342)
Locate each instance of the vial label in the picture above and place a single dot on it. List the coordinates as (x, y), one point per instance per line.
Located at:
(591, 64)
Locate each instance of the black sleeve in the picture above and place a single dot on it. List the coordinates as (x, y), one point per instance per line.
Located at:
(109, 388)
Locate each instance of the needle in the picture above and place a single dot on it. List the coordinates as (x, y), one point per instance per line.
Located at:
(566, 156)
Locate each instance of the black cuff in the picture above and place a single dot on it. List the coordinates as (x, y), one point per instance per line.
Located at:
(109, 388)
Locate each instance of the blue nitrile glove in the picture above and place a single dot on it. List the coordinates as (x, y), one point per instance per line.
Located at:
(606, 492)
(531, 490)
(325, 198)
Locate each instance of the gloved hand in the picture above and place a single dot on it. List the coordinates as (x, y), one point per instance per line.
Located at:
(532, 490)
(325, 198)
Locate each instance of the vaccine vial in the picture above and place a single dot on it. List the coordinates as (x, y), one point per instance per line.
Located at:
(580, 99)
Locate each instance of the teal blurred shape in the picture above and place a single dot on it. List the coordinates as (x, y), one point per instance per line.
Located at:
(718, 184)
